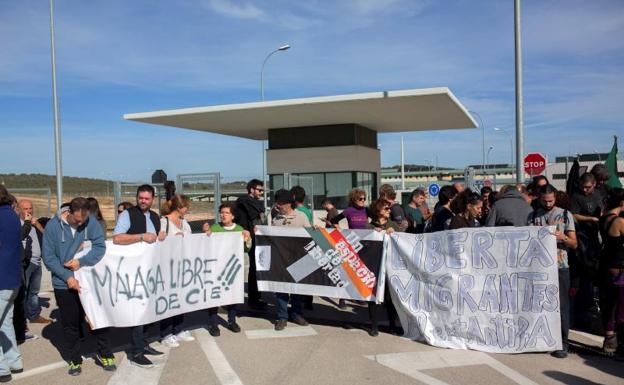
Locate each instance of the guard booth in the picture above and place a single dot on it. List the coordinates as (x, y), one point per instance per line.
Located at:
(331, 140)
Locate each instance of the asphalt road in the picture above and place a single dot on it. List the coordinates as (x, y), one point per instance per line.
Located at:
(334, 349)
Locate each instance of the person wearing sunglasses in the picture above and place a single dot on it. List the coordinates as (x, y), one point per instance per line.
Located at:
(250, 213)
(357, 213)
(380, 210)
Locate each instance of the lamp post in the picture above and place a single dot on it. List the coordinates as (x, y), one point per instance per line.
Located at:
(519, 97)
(264, 172)
(511, 152)
(482, 140)
(282, 48)
(57, 123)
(487, 159)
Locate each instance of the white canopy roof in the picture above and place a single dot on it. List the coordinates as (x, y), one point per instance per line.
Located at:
(386, 111)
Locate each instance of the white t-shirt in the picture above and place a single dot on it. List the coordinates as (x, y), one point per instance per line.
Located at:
(173, 229)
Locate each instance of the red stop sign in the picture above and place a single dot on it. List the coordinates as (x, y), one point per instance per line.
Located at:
(534, 163)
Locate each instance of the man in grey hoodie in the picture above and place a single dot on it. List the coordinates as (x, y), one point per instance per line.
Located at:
(510, 209)
(63, 239)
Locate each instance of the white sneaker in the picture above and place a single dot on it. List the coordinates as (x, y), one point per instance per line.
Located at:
(170, 341)
(185, 336)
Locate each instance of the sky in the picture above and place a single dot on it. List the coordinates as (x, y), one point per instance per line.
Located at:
(118, 56)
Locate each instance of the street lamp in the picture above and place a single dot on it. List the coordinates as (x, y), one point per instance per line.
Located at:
(511, 152)
(285, 47)
(57, 122)
(482, 139)
(264, 171)
(487, 159)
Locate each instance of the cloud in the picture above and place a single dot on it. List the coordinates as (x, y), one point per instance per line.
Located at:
(240, 10)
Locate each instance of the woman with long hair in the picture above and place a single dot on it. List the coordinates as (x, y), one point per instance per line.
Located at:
(94, 208)
(612, 271)
(174, 225)
(469, 205)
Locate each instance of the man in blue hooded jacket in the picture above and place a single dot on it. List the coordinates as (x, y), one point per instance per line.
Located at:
(62, 240)
(10, 281)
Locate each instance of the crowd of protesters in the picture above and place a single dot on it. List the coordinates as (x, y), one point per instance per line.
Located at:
(589, 229)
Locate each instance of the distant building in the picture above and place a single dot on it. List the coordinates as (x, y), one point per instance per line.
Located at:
(498, 174)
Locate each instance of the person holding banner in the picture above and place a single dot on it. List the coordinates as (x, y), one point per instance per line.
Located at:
(175, 225)
(250, 212)
(357, 212)
(226, 215)
(139, 224)
(397, 214)
(288, 216)
(382, 222)
(470, 206)
(548, 214)
(63, 241)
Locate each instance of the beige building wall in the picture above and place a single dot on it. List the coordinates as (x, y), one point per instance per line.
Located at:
(324, 159)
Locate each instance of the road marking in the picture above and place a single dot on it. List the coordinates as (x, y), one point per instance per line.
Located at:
(413, 364)
(129, 374)
(39, 370)
(594, 338)
(216, 358)
(290, 331)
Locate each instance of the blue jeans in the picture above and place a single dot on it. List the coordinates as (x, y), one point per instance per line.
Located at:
(33, 284)
(296, 305)
(10, 356)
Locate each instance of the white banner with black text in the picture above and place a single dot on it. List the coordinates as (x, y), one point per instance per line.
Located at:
(489, 289)
(142, 283)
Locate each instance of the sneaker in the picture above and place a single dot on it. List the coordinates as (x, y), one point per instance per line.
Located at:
(610, 344)
(108, 364)
(214, 330)
(185, 336)
(141, 361)
(559, 353)
(233, 326)
(151, 351)
(170, 341)
(28, 335)
(6, 378)
(373, 332)
(280, 324)
(299, 320)
(41, 320)
(74, 369)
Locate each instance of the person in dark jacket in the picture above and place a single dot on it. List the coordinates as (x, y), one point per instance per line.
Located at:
(510, 209)
(470, 206)
(10, 280)
(249, 214)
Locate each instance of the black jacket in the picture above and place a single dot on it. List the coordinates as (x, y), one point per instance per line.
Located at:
(249, 212)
